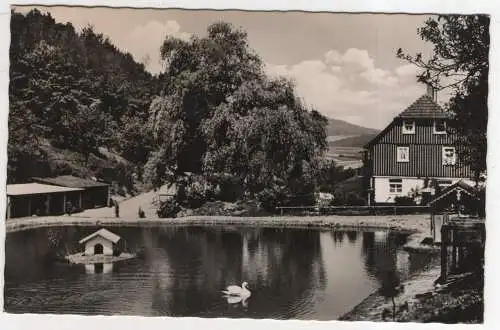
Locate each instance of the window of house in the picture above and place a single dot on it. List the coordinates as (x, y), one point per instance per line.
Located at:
(395, 186)
(403, 154)
(439, 126)
(449, 156)
(408, 127)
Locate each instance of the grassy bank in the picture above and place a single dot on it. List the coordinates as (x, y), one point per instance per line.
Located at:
(460, 300)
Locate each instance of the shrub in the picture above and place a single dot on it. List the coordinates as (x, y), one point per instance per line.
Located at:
(354, 199)
(404, 201)
(195, 195)
(168, 209)
(272, 197)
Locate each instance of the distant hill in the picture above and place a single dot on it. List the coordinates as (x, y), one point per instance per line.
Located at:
(353, 141)
(338, 127)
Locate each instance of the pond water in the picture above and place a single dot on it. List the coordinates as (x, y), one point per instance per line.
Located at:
(292, 273)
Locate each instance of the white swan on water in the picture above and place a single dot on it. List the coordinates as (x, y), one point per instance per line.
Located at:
(236, 291)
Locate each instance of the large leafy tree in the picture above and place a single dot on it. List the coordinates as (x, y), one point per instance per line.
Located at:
(219, 115)
(460, 63)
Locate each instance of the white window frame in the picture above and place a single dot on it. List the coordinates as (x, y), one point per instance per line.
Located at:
(396, 186)
(398, 154)
(434, 131)
(446, 160)
(409, 131)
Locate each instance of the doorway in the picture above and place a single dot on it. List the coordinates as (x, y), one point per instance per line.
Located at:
(98, 249)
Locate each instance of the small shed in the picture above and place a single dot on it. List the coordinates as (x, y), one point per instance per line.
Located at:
(102, 242)
(28, 199)
(96, 194)
(459, 200)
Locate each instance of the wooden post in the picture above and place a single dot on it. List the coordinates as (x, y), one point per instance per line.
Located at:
(8, 207)
(460, 256)
(80, 200)
(64, 203)
(47, 205)
(444, 253)
(454, 251)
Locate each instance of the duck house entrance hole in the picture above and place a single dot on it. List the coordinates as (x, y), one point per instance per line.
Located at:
(98, 249)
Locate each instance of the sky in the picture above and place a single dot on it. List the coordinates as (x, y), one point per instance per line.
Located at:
(343, 65)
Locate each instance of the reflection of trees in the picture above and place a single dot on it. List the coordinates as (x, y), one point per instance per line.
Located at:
(282, 267)
(352, 236)
(338, 236)
(380, 256)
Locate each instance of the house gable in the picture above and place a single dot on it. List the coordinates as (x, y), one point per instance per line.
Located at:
(423, 147)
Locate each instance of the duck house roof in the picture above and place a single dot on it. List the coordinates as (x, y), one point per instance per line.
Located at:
(106, 234)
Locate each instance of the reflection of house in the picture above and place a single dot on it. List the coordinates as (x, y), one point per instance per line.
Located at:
(27, 199)
(416, 145)
(96, 194)
(100, 242)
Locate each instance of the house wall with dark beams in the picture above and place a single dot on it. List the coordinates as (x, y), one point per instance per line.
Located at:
(424, 155)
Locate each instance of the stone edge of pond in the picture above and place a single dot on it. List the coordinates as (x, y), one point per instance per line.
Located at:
(403, 223)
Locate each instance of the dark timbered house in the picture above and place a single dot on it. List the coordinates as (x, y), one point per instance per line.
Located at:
(416, 147)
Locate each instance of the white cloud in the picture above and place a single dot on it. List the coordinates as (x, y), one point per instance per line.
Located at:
(349, 86)
(144, 42)
(407, 70)
(358, 57)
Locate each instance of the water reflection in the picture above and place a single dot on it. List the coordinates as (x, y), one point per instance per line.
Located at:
(99, 268)
(292, 273)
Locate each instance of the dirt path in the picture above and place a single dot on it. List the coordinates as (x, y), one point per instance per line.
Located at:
(413, 223)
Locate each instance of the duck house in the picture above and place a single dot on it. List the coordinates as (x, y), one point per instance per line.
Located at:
(102, 242)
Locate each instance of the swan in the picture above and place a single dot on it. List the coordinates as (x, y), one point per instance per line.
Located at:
(236, 291)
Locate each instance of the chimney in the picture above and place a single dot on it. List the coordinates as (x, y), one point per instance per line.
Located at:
(432, 92)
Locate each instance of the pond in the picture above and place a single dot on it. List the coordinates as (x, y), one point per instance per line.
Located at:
(292, 273)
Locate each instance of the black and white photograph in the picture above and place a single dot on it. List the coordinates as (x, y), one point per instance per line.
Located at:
(286, 165)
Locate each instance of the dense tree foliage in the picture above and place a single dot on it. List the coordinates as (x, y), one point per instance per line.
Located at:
(460, 62)
(74, 90)
(213, 113)
(220, 116)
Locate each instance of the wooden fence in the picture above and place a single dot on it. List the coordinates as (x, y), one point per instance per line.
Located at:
(352, 210)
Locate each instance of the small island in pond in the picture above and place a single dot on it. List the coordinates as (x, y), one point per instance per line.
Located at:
(100, 247)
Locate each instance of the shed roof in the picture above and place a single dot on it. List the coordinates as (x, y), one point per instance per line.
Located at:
(424, 107)
(36, 188)
(104, 233)
(71, 181)
(458, 186)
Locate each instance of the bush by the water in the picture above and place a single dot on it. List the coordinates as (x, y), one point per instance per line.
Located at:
(168, 209)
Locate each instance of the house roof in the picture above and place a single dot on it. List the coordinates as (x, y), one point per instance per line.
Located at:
(458, 186)
(35, 188)
(424, 107)
(71, 181)
(106, 234)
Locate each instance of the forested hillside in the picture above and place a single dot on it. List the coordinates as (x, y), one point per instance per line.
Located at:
(70, 93)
